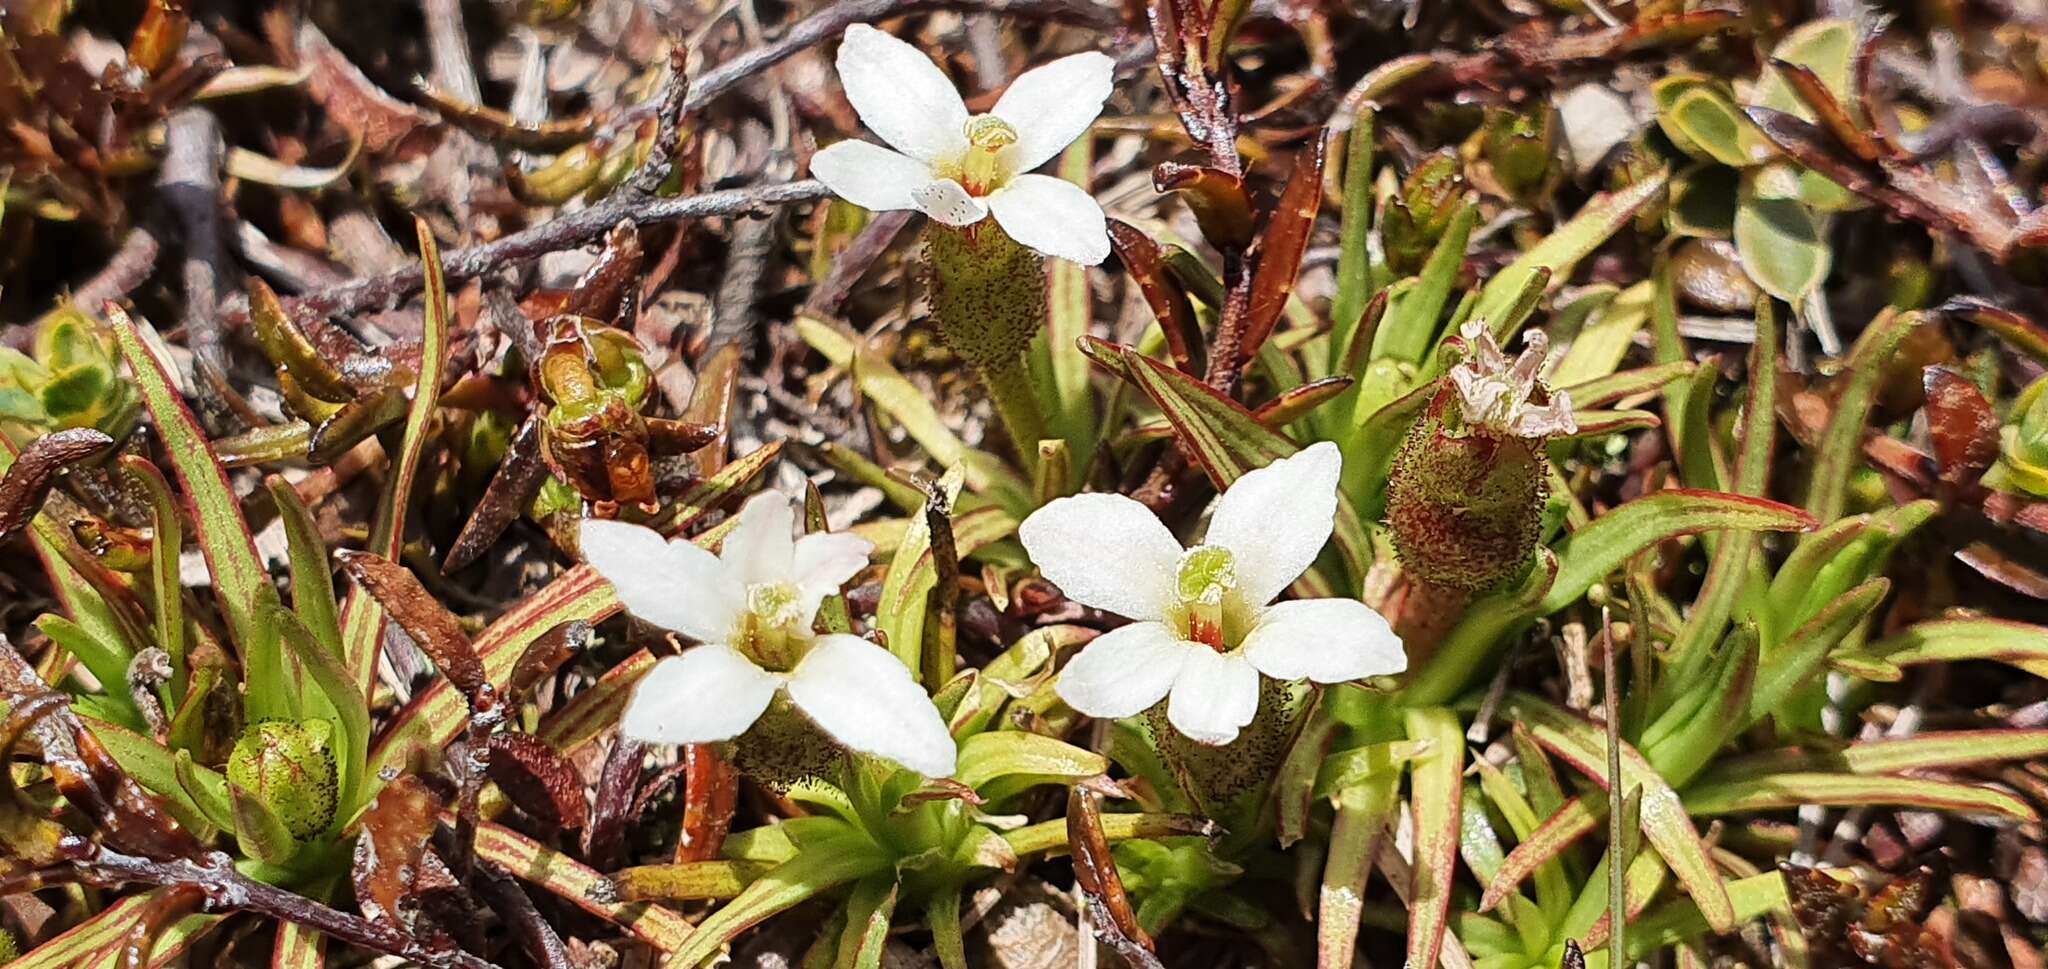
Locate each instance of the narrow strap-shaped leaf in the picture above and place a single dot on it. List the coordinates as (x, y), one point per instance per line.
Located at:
(363, 618)
(1947, 640)
(1793, 789)
(1664, 821)
(312, 577)
(1355, 835)
(240, 582)
(1597, 220)
(1436, 793)
(792, 882)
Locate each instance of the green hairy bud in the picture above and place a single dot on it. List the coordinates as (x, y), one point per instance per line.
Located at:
(290, 768)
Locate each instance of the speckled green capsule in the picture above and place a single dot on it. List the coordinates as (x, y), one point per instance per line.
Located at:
(1465, 503)
(290, 768)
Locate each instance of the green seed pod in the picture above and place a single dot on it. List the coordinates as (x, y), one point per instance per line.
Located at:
(290, 767)
(1520, 146)
(1465, 502)
(987, 292)
(1418, 215)
(784, 748)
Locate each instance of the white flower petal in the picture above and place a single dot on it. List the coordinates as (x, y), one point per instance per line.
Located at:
(674, 585)
(864, 697)
(1325, 640)
(824, 561)
(902, 95)
(762, 547)
(1053, 216)
(946, 201)
(870, 176)
(1053, 104)
(1106, 551)
(1125, 670)
(1275, 519)
(1214, 696)
(709, 693)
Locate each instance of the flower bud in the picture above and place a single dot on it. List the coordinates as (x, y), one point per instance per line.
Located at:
(1465, 502)
(2024, 442)
(1418, 215)
(289, 767)
(987, 292)
(1519, 146)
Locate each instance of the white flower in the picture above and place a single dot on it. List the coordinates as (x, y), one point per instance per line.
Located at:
(959, 169)
(751, 606)
(1495, 392)
(1206, 624)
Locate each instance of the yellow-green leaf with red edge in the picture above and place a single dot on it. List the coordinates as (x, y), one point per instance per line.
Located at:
(1792, 789)
(1436, 790)
(362, 632)
(240, 582)
(1665, 824)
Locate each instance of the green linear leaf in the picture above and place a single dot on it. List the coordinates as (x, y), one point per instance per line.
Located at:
(362, 618)
(1599, 218)
(240, 582)
(1664, 821)
(1796, 788)
(1436, 790)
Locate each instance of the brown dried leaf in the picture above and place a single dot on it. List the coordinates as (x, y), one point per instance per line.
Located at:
(1281, 246)
(1142, 259)
(29, 481)
(388, 855)
(436, 630)
(538, 780)
(1962, 424)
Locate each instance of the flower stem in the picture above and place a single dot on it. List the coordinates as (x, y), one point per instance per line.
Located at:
(1009, 387)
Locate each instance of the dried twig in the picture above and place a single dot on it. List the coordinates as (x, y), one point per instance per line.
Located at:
(568, 232)
(229, 890)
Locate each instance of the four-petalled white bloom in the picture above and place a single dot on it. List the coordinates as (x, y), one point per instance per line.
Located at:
(959, 169)
(1206, 624)
(751, 607)
(1496, 392)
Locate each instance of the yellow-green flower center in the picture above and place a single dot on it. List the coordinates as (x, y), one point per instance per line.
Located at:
(1206, 578)
(770, 632)
(982, 170)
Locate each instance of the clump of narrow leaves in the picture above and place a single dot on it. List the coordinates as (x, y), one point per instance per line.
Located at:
(1513, 488)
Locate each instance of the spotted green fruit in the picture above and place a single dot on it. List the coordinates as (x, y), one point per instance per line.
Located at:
(290, 768)
(1465, 503)
(987, 292)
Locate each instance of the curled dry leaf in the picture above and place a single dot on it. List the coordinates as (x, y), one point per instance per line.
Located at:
(29, 481)
(430, 624)
(538, 780)
(388, 855)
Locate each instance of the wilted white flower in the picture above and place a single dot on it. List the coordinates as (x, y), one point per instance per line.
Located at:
(1494, 392)
(751, 607)
(1206, 624)
(959, 169)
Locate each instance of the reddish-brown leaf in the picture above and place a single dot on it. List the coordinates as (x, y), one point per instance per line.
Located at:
(1281, 246)
(29, 481)
(395, 832)
(538, 780)
(1962, 424)
(436, 630)
(1142, 259)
